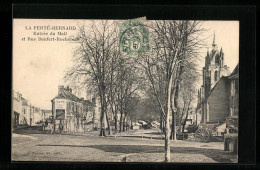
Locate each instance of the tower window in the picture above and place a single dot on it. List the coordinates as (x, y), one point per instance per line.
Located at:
(216, 75)
(217, 59)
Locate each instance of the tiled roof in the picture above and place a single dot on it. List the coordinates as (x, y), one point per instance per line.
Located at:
(235, 71)
(88, 103)
(65, 94)
(223, 78)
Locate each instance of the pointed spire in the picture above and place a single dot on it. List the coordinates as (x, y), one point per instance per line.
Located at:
(214, 39)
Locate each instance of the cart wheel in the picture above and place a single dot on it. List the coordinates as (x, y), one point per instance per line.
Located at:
(203, 135)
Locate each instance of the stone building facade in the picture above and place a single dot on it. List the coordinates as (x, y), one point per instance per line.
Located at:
(46, 115)
(26, 111)
(17, 108)
(212, 96)
(222, 102)
(71, 112)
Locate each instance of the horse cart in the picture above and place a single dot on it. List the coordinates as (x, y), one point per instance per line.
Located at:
(216, 131)
(209, 132)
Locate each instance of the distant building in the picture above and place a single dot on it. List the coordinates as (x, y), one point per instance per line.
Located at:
(97, 109)
(32, 122)
(46, 114)
(26, 111)
(37, 116)
(191, 117)
(17, 108)
(71, 111)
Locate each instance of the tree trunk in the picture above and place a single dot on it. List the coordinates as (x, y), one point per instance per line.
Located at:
(161, 122)
(115, 124)
(173, 127)
(93, 120)
(103, 112)
(175, 96)
(185, 119)
(108, 125)
(163, 127)
(120, 122)
(124, 125)
(102, 131)
(167, 127)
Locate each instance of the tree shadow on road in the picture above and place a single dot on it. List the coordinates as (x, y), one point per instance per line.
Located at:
(29, 130)
(217, 155)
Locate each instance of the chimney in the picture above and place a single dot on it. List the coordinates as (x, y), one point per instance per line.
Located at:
(70, 90)
(60, 88)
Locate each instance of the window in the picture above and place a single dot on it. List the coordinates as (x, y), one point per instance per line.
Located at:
(217, 59)
(23, 111)
(232, 88)
(216, 75)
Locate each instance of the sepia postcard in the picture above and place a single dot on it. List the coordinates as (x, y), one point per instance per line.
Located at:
(133, 90)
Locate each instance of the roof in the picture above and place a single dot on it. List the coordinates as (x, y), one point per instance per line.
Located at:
(222, 78)
(46, 111)
(65, 94)
(235, 71)
(88, 103)
(25, 102)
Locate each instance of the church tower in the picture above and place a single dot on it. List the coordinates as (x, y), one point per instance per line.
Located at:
(213, 70)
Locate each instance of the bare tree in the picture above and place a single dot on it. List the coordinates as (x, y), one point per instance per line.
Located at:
(97, 49)
(173, 43)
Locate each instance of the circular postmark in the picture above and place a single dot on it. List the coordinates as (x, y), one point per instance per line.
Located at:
(133, 38)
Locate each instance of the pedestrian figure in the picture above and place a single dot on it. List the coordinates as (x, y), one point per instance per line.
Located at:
(43, 127)
(46, 123)
(103, 129)
(52, 128)
(60, 127)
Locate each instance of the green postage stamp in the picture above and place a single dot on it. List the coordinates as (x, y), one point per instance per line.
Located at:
(133, 38)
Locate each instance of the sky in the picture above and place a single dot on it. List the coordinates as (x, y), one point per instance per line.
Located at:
(39, 66)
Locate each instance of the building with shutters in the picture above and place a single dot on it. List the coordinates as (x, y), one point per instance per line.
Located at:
(72, 112)
(16, 108)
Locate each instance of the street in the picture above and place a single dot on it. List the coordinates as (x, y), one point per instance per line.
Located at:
(32, 145)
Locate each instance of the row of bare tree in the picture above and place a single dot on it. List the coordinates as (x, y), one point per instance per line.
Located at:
(100, 68)
(167, 75)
